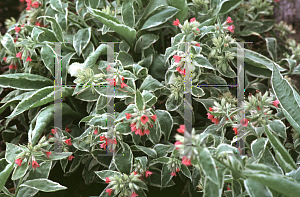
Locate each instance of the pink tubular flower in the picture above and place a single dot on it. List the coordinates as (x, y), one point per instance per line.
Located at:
(231, 28)
(109, 191)
(103, 145)
(177, 58)
(176, 144)
(111, 141)
(192, 20)
(18, 161)
(12, 67)
(134, 194)
(133, 128)
(128, 116)
(54, 130)
(148, 173)
(235, 130)
(4, 59)
(153, 117)
(173, 173)
(177, 169)
(28, 8)
(176, 22)
(123, 85)
(71, 157)
(123, 78)
(19, 55)
(182, 72)
(17, 29)
(151, 125)
(37, 24)
(102, 138)
(178, 69)
(181, 129)
(144, 119)
(35, 4)
(28, 59)
(146, 131)
(186, 161)
(48, 153)
(108, 67)
(275, 103)
(229, 20)
(68, 141)
(96, 131)
(215, 120)
(210, 109)
(35, 164)
(244, 122)
(210, 116)
(107, 180)
(198, 45)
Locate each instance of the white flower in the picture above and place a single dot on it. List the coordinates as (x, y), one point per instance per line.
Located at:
(74, 67)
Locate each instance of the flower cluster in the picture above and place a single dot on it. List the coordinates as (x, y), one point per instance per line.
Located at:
(125, 185)
(115, 79)
(173, 165)
(188, 27)
(106, 142)
(141, 122)
(30, 4)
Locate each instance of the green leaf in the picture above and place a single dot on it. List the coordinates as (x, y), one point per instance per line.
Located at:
(278, 127)
(139, 100)
(272, 48)
(47, 55)
(8, 42)
(107, 173)
(56, 5)
(20, 171)
(127, 33)
(149, 98)
(185, 170)
(202, 62)
(12, 151)
(287, 98)
(156, 70)
(24, 81)
(161, 149)
(65, 65)
(42, 34)
(182, 6)
(208, 165)
(39, 98)
(163, 160)
(145, 41)
(255, 188)
(123, 128)
(226, 6)
(276, 182)
(211, 189)
(54, 156)
(5, 171)
(56, 28)
(128, 13)
(163, 15)
(258, 147)
(80, 8)
(165, 176)
(166, 122)
(125, 58)
(150, 152)
(151, 84)
(276, 144)
(81, 40)
(124, 163)
(44, 185)
(92, 58)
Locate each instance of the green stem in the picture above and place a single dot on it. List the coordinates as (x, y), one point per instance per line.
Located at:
(162, 40)
(20, 181)
(230, 168)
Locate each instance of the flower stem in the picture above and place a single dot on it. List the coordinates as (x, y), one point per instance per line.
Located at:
(18, 187)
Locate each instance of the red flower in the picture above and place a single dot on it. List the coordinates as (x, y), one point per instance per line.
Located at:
(18, 161)
(139, 132)
(19, 55)
(111, 141)
(67, 129)
(54, 131)
(173, 173)
(28, 8)
(35, 165)
(177, 58)
(146, 131)
(12, 67)
(109, 191)
(198, 45)
(153, 117)
(133, 128)
(177, 143)
(176, 22)
(102, 138)
(108, 67)
(178, 69)
(276, 0)
(210, 109)
(107, 180)
(235, 130)
(123, 78)
(210, 116)
(128, 116)
(229, 20)
(50, 136)
(258, 108)
(134, 194)
(177, 169)
(38, 24)
(192, 20)
(215, 120)
(186, 161)
(68, 141)
(4, 59)
(28, 59)
(103, 145)
(181, 129)
(182, 72)
(244, 122)
(275, 103)
(35, 4)
(228, 189)
(71, 157)
(148, 173)
(134, 172)
(144, 119)
(231, 28)
(151, 125)
(96, 131)
(48, 153)
(17, 29)
(123, 85)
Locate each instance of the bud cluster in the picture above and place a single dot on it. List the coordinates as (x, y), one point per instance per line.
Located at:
(173, 165)
(188, 27)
